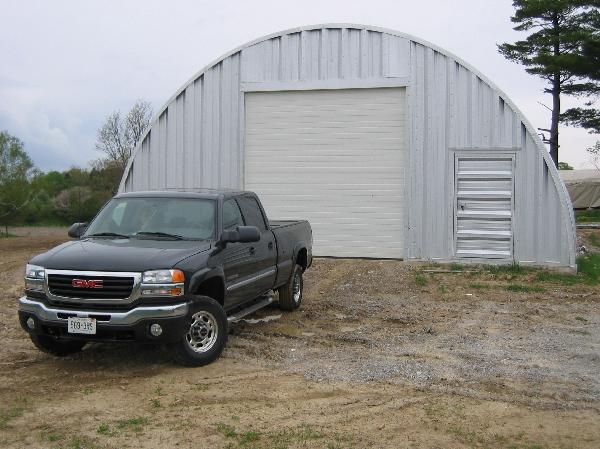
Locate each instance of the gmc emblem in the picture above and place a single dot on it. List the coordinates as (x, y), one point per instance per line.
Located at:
(84, 283)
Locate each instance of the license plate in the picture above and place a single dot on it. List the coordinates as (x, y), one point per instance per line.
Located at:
(82, 325)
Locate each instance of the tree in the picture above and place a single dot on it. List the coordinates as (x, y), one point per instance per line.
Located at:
(595, 154)
(118, 136)
(564, 166)
(16, 172)
(564, 35)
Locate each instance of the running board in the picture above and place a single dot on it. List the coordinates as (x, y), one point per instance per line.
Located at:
(250, 309)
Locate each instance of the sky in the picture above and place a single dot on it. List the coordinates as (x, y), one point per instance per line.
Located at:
(67, 65)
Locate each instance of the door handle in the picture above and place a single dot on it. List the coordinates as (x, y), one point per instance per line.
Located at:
(252, 250)
(270, 245)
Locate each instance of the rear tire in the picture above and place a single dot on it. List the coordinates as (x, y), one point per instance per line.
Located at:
(206, 335)
(55, 346)
(290, 295)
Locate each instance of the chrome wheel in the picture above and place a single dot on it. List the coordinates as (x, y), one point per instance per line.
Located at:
(203, 332)
(297, 287)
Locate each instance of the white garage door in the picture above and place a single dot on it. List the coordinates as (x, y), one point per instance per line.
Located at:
(335, 158)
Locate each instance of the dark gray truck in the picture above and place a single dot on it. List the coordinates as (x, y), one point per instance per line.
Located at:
(173, 267)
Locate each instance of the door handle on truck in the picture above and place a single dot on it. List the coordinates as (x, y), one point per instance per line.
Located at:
(252, 250)
(270, 245)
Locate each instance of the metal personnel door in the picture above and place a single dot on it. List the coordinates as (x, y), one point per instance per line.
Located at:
(484, 205)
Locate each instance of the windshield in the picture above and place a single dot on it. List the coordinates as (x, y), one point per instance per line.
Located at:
(155, 218)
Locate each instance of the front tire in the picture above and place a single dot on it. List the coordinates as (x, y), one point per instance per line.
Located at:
(206, 335)
(55, 346)
(290, 295)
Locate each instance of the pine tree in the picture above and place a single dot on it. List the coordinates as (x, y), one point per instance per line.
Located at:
(560, 49)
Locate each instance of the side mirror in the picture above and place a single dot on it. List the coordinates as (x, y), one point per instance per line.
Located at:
(242, 234)
(77, 229)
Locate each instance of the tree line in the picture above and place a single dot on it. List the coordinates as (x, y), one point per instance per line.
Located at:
(29, 196)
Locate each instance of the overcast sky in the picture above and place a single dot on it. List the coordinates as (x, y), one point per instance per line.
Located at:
(66, 65)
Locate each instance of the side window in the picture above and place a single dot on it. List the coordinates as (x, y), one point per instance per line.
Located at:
(252, 212)
(232, 217)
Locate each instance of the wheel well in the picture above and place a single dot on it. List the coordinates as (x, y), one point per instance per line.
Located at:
(213, 288)
(302, 258)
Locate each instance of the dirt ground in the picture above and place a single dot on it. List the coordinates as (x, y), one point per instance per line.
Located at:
(381, 355)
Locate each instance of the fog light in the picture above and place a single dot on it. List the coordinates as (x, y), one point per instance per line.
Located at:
(156, 329)
(30, 323)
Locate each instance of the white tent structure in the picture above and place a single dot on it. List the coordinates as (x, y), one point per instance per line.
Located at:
(583, 187)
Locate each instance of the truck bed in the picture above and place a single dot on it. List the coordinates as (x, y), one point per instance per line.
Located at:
(289, 236)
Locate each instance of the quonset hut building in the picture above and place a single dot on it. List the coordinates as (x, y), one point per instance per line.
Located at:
(390, 146)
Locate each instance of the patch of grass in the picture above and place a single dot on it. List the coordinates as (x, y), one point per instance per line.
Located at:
(200, 387)
(158, 391)
(589, 267)
(104, 429)
(580, 318)
(155, 403)
(421, 280)
(456, 267)
(561, 278)
(587, 216)
(249, 437)
(4, 235)
(8, 414)
(478, 286)
(226, 430)
(51, 435)
(594, 239)
(300, 434)
(442, 289)
(521, 288)
(133, 424)
(463, 435)
(513, 270)
(87, 391)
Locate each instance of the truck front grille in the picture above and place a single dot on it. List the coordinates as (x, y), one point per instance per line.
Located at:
(113, 287)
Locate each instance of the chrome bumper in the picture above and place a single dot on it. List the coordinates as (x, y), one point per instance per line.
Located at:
(128, 317)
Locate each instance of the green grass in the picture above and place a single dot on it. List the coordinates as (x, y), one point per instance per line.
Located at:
(104, 429)
(249, 437)
(479, 286)
(514, 269)
(521, 288)
(226, 430)
(155, 403)
(587, 216)
(420, 280)
(560, 278)
(133, 424)
(4, 235)
(589, 267)
(8, 414)
(594, 239)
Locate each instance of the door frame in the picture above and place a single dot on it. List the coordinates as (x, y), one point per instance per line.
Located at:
(484, 153)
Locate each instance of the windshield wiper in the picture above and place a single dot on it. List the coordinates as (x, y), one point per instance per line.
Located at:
(109, 234)
(161, 234)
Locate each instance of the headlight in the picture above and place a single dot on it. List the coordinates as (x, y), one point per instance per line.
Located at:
(163, 283)
(163, 277)
(34, 272)
(34, 277)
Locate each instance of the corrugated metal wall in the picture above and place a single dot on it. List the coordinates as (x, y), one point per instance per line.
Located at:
(197, 140)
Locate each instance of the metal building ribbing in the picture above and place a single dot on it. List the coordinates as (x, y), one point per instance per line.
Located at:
(455, 117)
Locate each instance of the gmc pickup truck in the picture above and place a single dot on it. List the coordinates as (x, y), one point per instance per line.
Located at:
(173, 267)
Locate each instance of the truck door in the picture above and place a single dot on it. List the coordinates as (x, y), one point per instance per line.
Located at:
(238, 259)
(265, 250)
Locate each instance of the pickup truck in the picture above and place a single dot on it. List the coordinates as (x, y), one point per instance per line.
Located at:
(172, 267)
